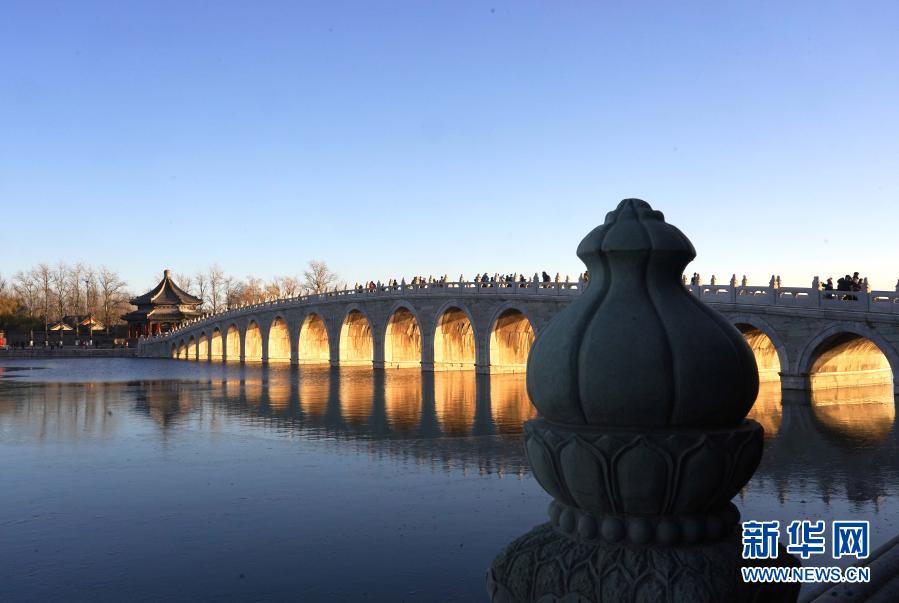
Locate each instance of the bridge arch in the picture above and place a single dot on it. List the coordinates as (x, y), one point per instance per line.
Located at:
(511, 337)
(402, 338)
(767, 346)
(278, 340)
(849, 354)
(356, 346)
(232, 343)
(313, 345)
(203, 346)
(191, 348)
(182, 350)
(455, 338)
(216, 351)
(252, 341)
(174, 350)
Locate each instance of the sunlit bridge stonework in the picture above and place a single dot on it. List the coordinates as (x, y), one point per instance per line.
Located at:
(809, 340)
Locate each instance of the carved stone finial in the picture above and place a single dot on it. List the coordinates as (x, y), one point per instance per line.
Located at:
(691, 368)
(642, 442)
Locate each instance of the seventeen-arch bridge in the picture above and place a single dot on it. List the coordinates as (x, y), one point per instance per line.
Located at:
(804, 335)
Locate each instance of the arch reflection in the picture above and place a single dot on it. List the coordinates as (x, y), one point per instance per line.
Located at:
(455, 396)
(861, 415)
(403, 399)
(314, 390)
(768, 407)
(356, 395)
(510, 402)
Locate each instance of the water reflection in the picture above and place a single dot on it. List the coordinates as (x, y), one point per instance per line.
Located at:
(151, 448)
(821, 444)
(862, 415)
(767, 408)
(403, 394)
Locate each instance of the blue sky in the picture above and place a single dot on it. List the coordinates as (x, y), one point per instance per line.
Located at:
(393, 138)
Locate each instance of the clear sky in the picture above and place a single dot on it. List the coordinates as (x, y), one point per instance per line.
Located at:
(395, 138)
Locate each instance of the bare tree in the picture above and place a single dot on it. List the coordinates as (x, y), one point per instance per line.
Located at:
(202, 284)
(73, 287)
(290, 286)
(26, 289)
(184, 281)
(273, 289)
(216, 282)
(59, 279)
(110, 288)
(253, 290)
(318, 278)
(43, 278)
(229, 287)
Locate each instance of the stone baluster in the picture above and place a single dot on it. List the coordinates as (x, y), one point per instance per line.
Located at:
(642, 447)
(744, 282)
(772, 283)
(714, 281)
(777, 282)
(897, 286)
(816, 284)
(865, 286)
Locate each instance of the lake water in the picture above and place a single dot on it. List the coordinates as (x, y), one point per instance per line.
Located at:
(148, 479)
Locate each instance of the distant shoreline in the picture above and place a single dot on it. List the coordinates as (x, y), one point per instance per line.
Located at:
(70, 353)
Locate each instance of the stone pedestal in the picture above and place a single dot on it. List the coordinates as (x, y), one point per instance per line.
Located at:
(546, 566)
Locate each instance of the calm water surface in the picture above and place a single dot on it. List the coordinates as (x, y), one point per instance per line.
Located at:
(164, 479)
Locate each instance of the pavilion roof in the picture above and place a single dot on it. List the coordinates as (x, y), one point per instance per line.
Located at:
(166, 293)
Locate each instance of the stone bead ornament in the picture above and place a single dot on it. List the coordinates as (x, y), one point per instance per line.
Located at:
(643, 440)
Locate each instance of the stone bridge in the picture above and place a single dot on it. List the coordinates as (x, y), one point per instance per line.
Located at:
(807, 337)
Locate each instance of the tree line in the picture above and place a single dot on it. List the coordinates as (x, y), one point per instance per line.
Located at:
(221, 291)
(44, 294)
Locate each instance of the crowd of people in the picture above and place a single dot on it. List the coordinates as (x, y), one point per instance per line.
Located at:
(483, 280)
(846, 283)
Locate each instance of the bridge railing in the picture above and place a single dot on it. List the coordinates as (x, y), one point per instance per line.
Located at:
(882, 302)
(800, 297)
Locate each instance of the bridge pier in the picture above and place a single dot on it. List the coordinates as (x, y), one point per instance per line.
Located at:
(795, 389)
